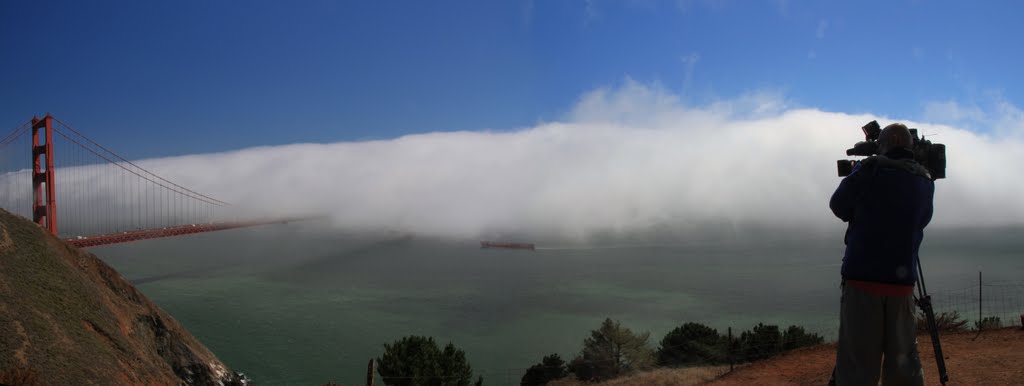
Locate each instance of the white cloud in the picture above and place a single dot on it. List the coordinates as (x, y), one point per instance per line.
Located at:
(1009, 121)
(631, 158)
(822, 27)
(755, 104)
(625, 158)
(951, 111)
(995, 115)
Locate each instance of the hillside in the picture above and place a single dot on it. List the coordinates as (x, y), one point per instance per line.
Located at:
(991, 358)
(68, 318)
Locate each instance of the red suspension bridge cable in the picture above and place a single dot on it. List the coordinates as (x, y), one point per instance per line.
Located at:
(137, 166)
(15, 134)
(100, 203)
(200, 197)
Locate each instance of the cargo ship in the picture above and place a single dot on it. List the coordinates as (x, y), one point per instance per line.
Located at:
(495, 244)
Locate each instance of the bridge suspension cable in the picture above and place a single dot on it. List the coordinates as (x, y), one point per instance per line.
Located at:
(97, 192)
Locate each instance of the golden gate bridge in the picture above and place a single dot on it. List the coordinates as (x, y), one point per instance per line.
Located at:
(99, 197)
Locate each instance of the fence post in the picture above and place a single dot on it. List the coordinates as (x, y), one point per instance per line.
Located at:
(369, 374)
(728, 349)
(979, 301)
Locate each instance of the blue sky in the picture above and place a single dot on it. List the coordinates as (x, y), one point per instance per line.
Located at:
(178, 77)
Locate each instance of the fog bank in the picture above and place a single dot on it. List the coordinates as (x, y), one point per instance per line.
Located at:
(629, 159)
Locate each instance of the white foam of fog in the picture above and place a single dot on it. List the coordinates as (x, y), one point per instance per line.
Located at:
(624, 159)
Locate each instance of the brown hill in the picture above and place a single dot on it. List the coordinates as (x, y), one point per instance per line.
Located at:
(993, 357)
(66, 317)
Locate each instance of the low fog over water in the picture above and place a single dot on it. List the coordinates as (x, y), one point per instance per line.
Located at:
(644, 209)
(625, 161)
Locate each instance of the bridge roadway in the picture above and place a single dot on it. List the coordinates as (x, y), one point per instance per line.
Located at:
(181, 230)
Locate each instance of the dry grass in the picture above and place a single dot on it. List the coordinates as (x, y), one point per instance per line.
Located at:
(5, 239)
(991, 358)
(21, 376)
(658, 377)
(71, 318)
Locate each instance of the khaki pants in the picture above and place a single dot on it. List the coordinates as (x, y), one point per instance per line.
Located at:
(871, 328)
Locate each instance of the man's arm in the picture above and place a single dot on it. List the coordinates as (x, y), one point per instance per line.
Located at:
(929, 205)
(844, 200)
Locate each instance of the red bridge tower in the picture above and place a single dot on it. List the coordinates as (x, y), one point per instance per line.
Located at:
(43, 209)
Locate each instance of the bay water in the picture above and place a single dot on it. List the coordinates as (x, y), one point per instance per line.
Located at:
(302, 304)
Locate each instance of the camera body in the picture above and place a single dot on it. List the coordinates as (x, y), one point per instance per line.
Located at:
(930, 155)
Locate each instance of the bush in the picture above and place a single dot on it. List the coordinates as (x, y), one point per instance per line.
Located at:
(416, 360)
(550, 368)
(796, 337)
(691, 343)
(611, 351)
(764, 341)
(988, 323)
(946, 321)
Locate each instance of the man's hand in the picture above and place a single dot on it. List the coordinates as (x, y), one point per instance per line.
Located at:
(844, 200)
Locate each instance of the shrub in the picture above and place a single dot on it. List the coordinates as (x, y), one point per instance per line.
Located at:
(946, 321)
(764, 341)
(417, 360)
(550, 368)
(691, 343)
(988, 323)
(611, 351)
(796, 337)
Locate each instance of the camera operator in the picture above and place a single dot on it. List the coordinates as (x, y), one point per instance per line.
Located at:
(887, 201)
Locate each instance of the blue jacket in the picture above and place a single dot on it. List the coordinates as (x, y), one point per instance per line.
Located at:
(887, 202)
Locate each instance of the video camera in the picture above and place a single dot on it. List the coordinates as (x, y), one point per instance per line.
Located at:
(930, 155)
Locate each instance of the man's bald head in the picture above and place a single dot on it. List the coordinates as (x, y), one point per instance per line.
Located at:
(894, 136)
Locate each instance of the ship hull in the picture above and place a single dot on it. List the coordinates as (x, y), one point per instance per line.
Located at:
(492, 244)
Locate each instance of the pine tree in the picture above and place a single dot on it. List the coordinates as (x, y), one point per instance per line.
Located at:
(691, 343)
(417, 361)
(550, 368)
(612, 351)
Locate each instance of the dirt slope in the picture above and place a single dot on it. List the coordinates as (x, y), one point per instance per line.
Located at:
(996, 357)
(68, 318)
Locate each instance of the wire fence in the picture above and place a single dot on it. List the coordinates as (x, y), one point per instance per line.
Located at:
(985, 302)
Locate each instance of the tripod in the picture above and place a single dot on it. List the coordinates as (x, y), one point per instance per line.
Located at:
(924, 302)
